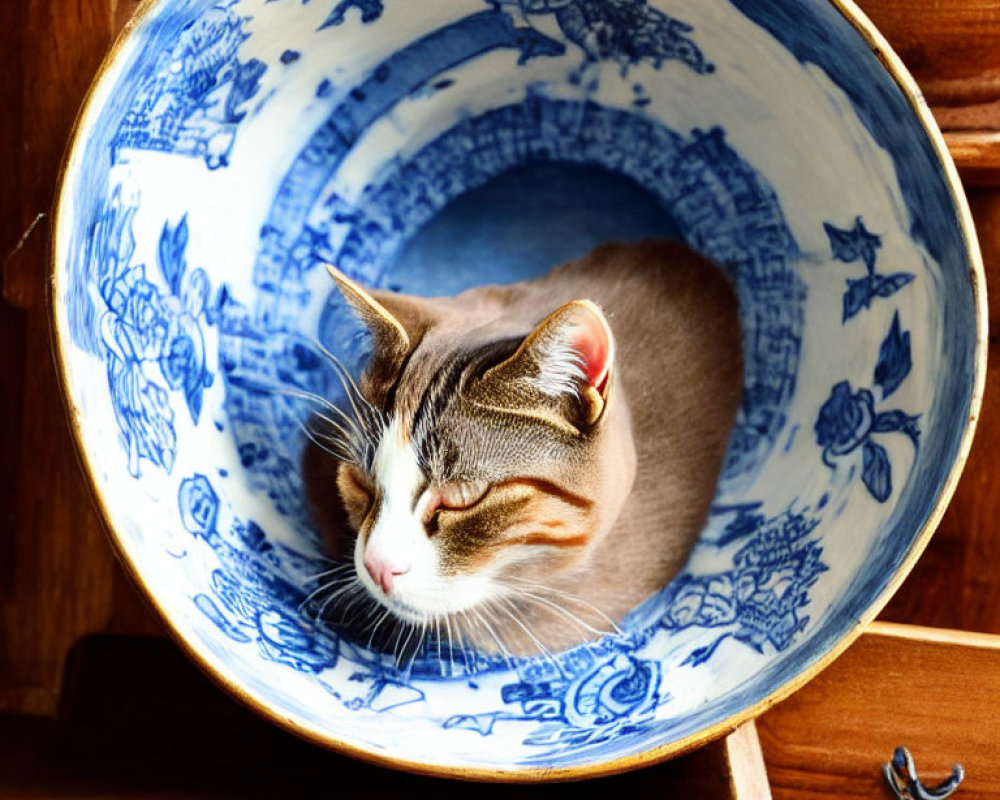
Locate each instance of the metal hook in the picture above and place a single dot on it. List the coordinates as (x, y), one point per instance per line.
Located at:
(901, 775)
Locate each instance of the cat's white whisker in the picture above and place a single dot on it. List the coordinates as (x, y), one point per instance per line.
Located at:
(372, 419)
(332, 571)
(381, 619)
(467, 641)
(337, 452)
(315, 398)
(504, 651)
(569, 615)
(417, 647)
(328, 586)
(451, 645)
(358, 594)
(573, 598)
(355, 434)
(343, 433)
(541, 647)
(411, 627)
(339, 592)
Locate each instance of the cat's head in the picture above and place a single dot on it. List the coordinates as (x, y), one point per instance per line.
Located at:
(491, 446)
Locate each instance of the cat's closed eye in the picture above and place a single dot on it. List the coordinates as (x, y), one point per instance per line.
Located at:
(357, 493)
(457, 495)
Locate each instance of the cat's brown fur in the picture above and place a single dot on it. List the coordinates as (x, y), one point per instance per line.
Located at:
(600, 496)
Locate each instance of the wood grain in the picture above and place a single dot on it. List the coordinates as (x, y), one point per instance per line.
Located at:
(977, 156)
(57, 574)
(935, 692)
(953, 51)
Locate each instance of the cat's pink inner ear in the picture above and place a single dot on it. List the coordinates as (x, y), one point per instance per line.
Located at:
(591, 338)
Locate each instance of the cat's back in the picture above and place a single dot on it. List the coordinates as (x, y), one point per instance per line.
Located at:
(675, 319)
(674, 315)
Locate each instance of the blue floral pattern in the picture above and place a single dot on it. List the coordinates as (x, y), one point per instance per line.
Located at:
(627, 32)
(194, 99)
(848, 420)
(144, 331)
(858, 244)
(759, 601)
(255, 595)
(588, 698)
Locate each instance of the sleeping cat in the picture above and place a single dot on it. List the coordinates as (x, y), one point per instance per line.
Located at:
(527, 462)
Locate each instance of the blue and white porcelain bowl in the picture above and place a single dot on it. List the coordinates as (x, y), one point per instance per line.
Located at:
(229, 147)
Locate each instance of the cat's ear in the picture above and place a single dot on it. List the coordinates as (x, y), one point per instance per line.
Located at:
(397, 322)
(568, 355)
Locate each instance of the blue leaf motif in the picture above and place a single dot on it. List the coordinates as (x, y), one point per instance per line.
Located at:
(246, 84)
(876, 472)
(857, 297)
(700, 655)
(887, 285)
(894, 359)
(861, 291)
(896, 420)
(173, 243)
(856, 244)
(370, 10)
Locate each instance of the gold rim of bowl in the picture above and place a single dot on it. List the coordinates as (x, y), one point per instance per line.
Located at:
(894, 66)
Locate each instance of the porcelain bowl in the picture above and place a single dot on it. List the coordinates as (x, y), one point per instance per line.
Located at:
(230, 148)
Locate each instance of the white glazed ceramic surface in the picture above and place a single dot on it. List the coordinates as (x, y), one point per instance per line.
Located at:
(230, 148)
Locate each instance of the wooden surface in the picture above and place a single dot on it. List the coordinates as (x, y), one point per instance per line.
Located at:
(953, 50)
(936, 692)
(58, 579)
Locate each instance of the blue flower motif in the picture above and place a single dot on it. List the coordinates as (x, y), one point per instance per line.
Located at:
(861, 292)
(252, 597)
(759, 601)
(623, 688)
(147, 317)
(283, 639)
(199, 505)
(625, 31)
(182, 362)
(848, 420)
(845, 420)
(704, 602)
(141, 408)
(190, 102)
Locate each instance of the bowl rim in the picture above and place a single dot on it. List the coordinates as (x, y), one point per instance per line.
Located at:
(898, 72)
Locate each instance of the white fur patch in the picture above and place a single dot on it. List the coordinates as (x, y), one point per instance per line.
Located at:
(398, 536)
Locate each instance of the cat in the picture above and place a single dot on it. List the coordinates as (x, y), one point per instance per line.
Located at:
(525, 463)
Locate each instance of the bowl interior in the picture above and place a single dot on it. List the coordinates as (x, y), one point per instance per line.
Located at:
(229, 149)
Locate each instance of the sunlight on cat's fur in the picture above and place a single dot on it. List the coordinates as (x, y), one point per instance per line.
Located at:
(521, 464)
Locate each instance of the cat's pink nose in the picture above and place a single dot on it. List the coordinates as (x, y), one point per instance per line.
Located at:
(384, 571)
